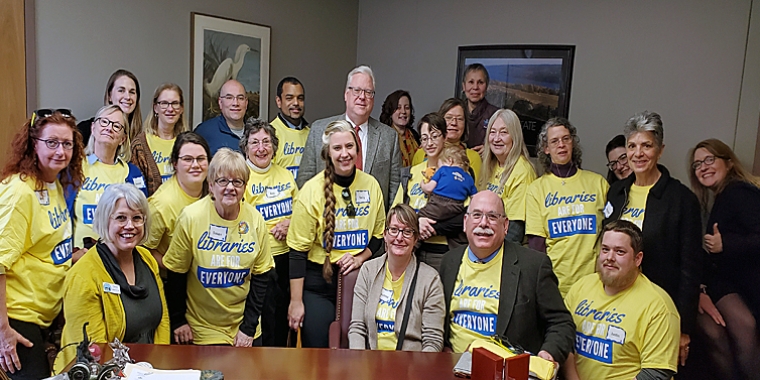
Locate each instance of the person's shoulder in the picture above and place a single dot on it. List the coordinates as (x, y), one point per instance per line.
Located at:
(526, 257)
(206, 125)
(283, 173)
(426, 271)
(367, 178)
(320, 124)
(657, 296)
(374, 265)
(148, 258)
(453, 257)
(582, 286)
(593, 176)
(198, 208)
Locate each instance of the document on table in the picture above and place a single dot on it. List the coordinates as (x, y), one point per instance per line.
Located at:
(135, 372)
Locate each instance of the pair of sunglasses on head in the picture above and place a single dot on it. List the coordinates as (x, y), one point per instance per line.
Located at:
(47, 112)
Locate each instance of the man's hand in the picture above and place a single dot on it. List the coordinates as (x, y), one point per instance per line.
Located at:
(242, 340)
(183, 334)
(280, 230)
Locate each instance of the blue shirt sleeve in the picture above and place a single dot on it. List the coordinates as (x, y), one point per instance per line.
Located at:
(136, 178)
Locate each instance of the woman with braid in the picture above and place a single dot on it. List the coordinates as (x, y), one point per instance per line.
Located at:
(338, 221)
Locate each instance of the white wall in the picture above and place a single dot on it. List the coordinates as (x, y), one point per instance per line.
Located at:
(681, 58)
(79, 43)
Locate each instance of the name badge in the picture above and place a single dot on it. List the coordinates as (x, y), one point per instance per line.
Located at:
(43, 197)
(139, 182)
(607, 210)
(272, 193)
(362, 196)
(169, 169)
(386, 295)
(217, 232)
(111, 288)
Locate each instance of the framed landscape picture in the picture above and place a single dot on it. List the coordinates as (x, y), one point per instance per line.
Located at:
(531, 80)
(224, 49)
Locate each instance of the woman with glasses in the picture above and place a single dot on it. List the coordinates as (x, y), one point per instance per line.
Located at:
(106, 163)
(122, 90)
(45, 157)
(398, 300)
(506, 170)
(115, 287)
(151, 149)
(729, 305)
(219, 262)
(398, 113)
(617, 160)
(189, 158)
(667, 213)
(271, 190)
(454, 112)
(337, 223)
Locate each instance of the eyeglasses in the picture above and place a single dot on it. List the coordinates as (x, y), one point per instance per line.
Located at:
(190, 159)
(230, 98)
(405, 232)
(223, 182)
(450, 119)
(433, 136)
(164, 105)
(358, 91)
(492, 217)
(263, 143)
(350, 209)
(40, 114)
(105, 123)
(565, 140)
(122, 220)
(709, 160)
(53, 144)
(622, 160)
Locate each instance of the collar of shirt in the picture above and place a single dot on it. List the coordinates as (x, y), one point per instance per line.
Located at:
(289, 124)
(92, 158)
(362, 127)
(477, 260)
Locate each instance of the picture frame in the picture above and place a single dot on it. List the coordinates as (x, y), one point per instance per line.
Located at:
(532, 80)
(223, 49)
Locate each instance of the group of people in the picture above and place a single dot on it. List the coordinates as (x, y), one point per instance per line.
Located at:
(237, 233)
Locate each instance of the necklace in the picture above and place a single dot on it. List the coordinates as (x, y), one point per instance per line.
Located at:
(569, 169)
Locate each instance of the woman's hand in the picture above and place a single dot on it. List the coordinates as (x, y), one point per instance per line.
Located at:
(280, 230)
(242, 340)
(714, 242)
(183, 334)
(426, 228)
(348, 262)
(295, 314)
(77, 254)
(9, 337)
(706, 305)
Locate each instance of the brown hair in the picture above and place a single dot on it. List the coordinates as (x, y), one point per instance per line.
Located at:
(328, 215)
(736, 171)
(23, 158)
(456, 154)
(405, 215)
(450, 103)
(151, 122)
(628, 228)
(135, 118)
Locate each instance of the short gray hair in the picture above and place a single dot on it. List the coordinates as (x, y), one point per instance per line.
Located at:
(646, 121)
(363, 69)
(107, 204)
(543, 142)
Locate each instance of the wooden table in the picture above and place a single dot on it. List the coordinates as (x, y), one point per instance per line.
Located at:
(302, 363)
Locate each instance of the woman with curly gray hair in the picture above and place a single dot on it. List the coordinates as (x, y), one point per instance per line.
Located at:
(563, 207)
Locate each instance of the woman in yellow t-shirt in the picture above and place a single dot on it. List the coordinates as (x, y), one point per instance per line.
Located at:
(189, 158)
(35, 236)
(151, 149)
(338, 219)
(219, 262)
(506, 170)
(271, 189)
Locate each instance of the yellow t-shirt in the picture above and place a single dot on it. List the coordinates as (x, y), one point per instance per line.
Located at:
(475, 161)
(165, 205)
(219, 257)
(475, 301)
(616, 336)
(162, 153)
(385, 317)
(290, 149)
(513, 192)
(272, 194)
(637, 204)
(352, 235)
(568, 213)
(417, 198)
(35, 249)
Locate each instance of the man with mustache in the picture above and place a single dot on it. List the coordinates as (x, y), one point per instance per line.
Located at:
(494, 287)
(292, 129)
(627, 326)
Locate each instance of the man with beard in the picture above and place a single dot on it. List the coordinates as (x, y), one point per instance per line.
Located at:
(292, 129)
(494, 287)
(627, 327)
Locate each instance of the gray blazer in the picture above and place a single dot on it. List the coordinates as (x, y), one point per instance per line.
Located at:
(383, 159)
(424, 331)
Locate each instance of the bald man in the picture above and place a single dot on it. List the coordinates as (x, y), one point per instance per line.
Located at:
(226, 130)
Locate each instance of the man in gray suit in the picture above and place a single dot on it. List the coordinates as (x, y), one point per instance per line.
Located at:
(379, 150)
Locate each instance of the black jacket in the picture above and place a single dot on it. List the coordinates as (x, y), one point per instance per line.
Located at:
(531, 311)
(673, 254)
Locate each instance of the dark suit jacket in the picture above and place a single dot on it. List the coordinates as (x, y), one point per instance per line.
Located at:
(531, 311)
(383, 159)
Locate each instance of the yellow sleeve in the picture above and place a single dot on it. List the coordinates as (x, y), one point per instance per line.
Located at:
(660, 340)
(179, 256)
(15, 209)
(514, 201)
(303, 224)
(264, 260)
(534, 223)
(157, 226)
